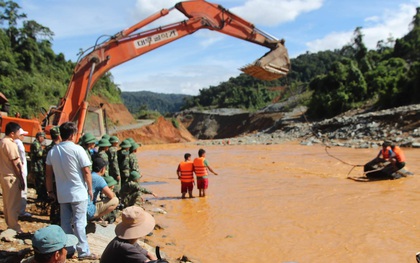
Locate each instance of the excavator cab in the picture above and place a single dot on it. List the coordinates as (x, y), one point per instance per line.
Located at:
(273, 65)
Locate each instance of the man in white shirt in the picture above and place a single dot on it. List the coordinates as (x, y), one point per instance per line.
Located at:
(70, 165)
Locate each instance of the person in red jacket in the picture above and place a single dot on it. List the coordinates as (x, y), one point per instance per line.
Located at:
(200, 168)
(185, 172)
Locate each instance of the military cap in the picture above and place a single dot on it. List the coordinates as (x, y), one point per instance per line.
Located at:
(106, 137)
(114, 139)
(125, 144)
(88, 138)
(55, 131)
(131, 140)
(134, 175)
(38, 134)
(110, 181)
(134, 146)
(104, 143)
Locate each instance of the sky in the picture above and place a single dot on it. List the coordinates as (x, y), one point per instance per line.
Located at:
(207, 58)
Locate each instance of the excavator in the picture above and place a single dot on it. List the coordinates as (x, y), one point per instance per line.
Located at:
(128, 44)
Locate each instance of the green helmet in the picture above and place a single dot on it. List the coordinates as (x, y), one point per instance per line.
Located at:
(104, 143)
(106, 137)
(110, 181)
(134, 146)
(114, 139)
(88, 138)
(125, 144)
(134, 175)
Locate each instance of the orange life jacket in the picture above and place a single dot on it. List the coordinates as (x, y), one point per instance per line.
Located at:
(199, 167)
(399, 154)
(187, 172)
(385, 153)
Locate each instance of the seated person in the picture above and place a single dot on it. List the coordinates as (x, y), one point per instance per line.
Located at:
(96, 209)
(49, 244)
(385, 153)
(131, 192)
(135, 224)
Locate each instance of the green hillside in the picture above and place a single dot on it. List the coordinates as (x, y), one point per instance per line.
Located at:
(331, 82)
(31, 74)
(163, 103)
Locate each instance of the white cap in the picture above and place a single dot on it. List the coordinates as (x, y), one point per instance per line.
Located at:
(23, 132)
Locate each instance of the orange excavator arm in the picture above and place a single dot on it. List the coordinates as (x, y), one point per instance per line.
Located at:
(127, 45)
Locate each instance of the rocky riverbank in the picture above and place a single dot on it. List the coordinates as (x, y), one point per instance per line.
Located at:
(357, 129)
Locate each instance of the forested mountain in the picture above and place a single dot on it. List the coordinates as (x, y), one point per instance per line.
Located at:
(328, 82)
(31, 74)
(331, 82)
(147, 100)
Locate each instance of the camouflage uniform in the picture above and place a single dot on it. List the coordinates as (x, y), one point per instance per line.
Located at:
(37, 168)
(114, 169)
(131, 192)
(87, 139)
(103, 153)
(123, 161)
(134, 165)
(54, 205)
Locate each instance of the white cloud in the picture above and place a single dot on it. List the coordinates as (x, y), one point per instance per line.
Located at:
(393, 23)
(275, 12)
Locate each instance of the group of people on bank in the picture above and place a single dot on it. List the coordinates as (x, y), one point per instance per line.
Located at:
(74, 177)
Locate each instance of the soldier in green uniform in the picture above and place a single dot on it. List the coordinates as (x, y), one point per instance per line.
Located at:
(123, 161)
(134, 164)
(103, 145)
(55, 206)
(37, 166)
(114, 169)
(88, 143)
(131, 192)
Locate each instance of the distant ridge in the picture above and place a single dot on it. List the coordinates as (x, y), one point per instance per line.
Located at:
(163, 103)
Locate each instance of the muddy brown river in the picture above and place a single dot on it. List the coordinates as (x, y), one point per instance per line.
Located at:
(285, 203)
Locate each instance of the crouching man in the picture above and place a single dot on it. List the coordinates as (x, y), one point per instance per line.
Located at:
(98, 208)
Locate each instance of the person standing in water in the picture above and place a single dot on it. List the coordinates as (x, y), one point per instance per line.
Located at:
(185, 172)
(200, 169)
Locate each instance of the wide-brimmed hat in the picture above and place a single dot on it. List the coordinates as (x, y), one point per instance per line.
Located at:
(135, 223)
(125, 144)
(104, 143)
(110, 181)
(52, 238)
(114, 139)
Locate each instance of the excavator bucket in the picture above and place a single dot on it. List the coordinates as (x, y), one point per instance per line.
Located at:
(273, 65)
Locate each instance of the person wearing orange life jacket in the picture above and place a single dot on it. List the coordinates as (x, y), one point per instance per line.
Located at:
(386, 153)
(398, 158)
(200, 169)
(185, 172)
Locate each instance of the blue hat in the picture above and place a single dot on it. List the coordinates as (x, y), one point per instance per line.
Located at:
(52, 238)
